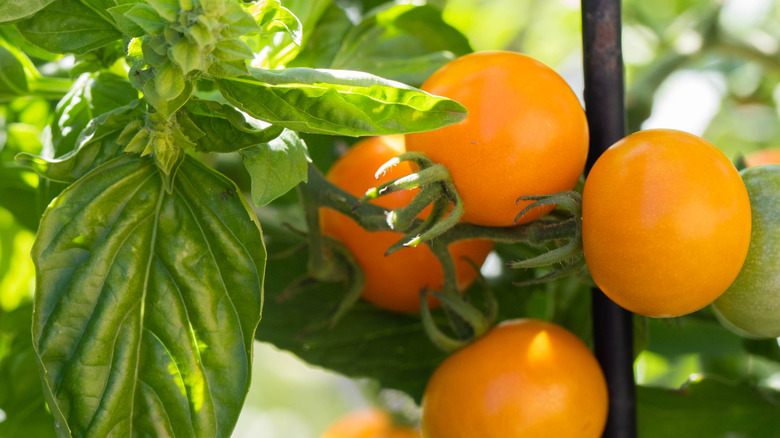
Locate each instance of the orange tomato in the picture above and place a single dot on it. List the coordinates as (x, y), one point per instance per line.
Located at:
(665, 223)
(526, 134)
(393, 282)
(764, 156)
(368, 423)
(524, 378)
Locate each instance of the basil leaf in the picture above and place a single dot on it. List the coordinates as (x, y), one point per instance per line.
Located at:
(403, 42)
(276, 167)
(96, 145)
(147, 302)
(337, 102)
(221, 128)
(13, 10)
(69, 26)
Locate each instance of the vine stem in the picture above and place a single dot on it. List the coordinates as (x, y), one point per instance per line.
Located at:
(605, 105)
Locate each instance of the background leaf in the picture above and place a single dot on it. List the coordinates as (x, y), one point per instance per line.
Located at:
(69, 26)
(21, 397)
(337, 102)
(403, 42)
(276, 167)
(159, 294)
(708, 407)
(13, 10)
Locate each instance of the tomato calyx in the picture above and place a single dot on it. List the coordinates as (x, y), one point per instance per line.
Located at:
(466, 321)
(569, 230)
(436, 189)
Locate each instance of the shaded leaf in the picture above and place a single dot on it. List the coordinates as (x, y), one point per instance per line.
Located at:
(16, 184)
(337, 102)
(708, 408)
(96, 145)
(21, 397)
(403, 42)
(147, 302)
(367, 342)
(276, 167)
(221, 128)
(13, 80)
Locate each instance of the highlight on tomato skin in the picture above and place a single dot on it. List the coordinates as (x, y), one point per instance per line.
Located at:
(526, 134)
(392, 282)
(524, 378)
(666, 223)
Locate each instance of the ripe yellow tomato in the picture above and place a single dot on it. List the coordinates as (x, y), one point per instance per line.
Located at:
(524, 378)
(393, 282)
(368, 423)
(526, 134)
(665, 223)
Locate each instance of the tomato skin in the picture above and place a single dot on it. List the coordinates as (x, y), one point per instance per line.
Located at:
(368, 423)
(393, 282)
(751, 305)
(526, 134)
(665, 223)
(524, 378)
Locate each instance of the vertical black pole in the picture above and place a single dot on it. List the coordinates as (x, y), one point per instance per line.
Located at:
(604, 103)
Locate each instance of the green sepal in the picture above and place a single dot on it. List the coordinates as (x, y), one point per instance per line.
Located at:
(169, 81)
(186, 56)
(233, 50)
(167, 107)
(238, 21)
(168, 9)
(144, 16)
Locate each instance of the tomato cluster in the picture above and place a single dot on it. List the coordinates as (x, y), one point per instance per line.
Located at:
(666, 227)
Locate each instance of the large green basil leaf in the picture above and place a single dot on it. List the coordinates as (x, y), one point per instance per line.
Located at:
(69, 26)
(13, 10)
(276, 167)
(403, 42)
(147, 302)
(215, 127)
(338, 102)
